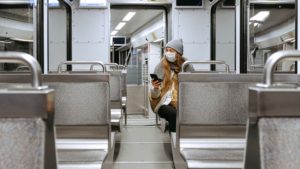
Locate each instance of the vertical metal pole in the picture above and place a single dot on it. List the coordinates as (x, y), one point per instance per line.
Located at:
(68, 7)
(40, 33)
(213, 25)
(243, 35)
(237, 36)
(297, 6)
(113, 52)
(119, 60)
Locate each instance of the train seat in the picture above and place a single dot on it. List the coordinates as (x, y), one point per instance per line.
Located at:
(82, 119)
(211, 120)
(124, 93)
(27, 135)
(116, 97)
(273, 128)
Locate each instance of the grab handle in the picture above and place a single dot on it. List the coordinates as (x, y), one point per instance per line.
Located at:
(112, 64)
(122, 67)
(272, 62)
(212, 62)
(106, 64)
(20, 68)
(26, 59)
(80, 63)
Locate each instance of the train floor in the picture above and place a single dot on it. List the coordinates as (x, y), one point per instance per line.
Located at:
(142, 145)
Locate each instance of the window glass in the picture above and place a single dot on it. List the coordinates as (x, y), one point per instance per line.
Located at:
(271, 29)
(16, 30)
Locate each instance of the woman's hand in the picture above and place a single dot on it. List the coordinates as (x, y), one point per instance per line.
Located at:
(155, 84)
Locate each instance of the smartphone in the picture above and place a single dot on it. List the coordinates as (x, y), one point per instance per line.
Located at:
(154, 77)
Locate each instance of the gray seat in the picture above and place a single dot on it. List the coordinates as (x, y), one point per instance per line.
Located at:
(27, 136)
(212, 120)
(82, 120)
(82, 114)
(274, 116)
(124, 93)
(273, 129)
(26, 127)
(115, 98)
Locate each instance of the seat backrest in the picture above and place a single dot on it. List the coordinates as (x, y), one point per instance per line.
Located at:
(115, 86)
(273, 128)
(213, 103)
(26, 125)
(81, 99)
(205, 99)
(215, 100)
(124, 84)
(279, 142)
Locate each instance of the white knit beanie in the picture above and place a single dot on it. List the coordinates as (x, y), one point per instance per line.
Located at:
(176, 44)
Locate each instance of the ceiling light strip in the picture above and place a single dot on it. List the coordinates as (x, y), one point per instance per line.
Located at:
(113, 33)
(128, 16)
(120, 25)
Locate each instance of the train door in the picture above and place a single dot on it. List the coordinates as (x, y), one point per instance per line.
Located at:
(137, 35)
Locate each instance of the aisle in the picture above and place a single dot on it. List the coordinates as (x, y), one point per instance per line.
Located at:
(141, 145)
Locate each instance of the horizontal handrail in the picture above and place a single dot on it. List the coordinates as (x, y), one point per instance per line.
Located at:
(26, 59)
(119, 67)
(272, 62)
(20, 68)
(80, 63)
(106, 64)
(122, 67)
(214, 62)
(112, 64)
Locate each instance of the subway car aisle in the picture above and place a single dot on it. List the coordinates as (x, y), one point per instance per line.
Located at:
(142, 144)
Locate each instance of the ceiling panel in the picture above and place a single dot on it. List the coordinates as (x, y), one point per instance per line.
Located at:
(141, 17)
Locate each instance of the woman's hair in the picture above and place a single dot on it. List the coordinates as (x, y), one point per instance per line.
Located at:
(167, 70)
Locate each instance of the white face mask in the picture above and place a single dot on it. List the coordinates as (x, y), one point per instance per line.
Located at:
(171, 56)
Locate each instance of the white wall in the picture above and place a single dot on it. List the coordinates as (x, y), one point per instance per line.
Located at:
(57, 38)
(154, 55)
(225, 37)
(90, 35)
(193, 26)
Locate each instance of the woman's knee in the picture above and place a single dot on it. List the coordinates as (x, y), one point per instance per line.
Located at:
(161, 111)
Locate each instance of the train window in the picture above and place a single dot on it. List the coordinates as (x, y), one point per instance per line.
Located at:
(271, 29)
(189, 4)
(16, 29)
